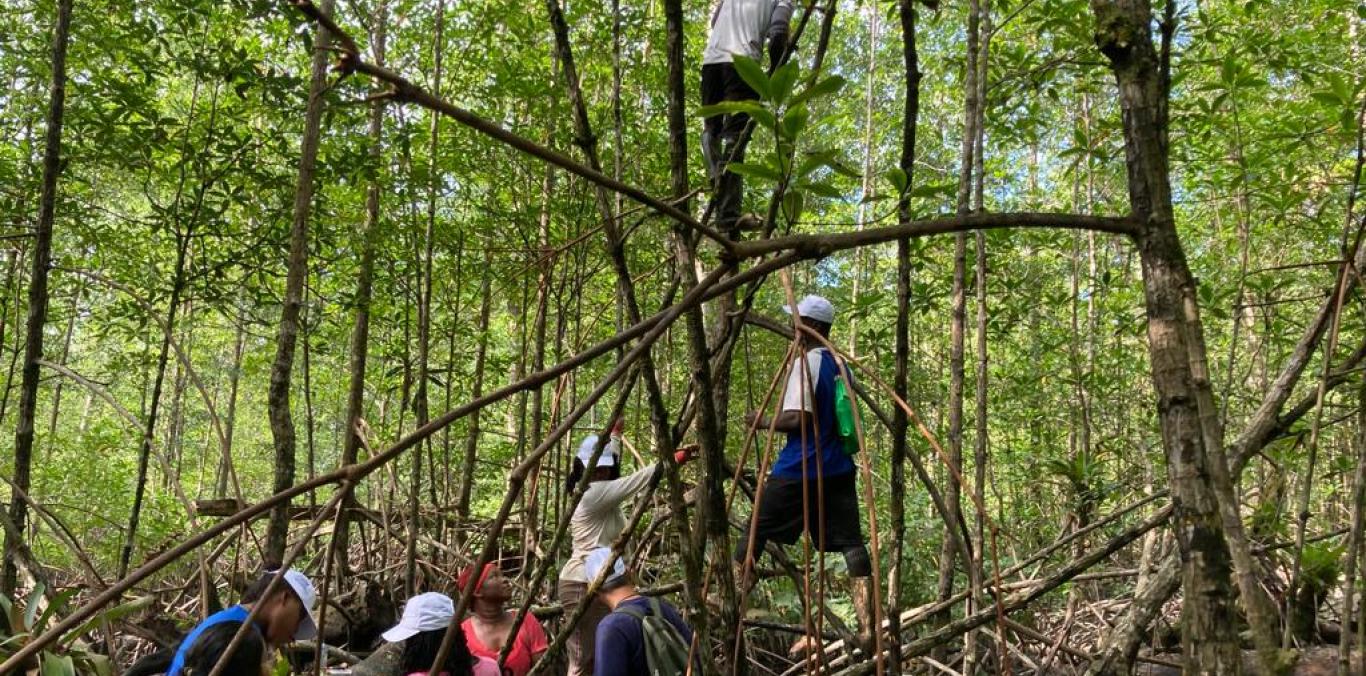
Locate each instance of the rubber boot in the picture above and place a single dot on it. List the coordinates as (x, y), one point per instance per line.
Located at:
(863, 611)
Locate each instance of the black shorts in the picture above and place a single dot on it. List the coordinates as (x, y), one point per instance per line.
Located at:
(780, 512)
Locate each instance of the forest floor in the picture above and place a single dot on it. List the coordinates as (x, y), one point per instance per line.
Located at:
(1316, 661)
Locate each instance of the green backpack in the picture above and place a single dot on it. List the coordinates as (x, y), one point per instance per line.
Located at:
(666, 653)
(844, 411)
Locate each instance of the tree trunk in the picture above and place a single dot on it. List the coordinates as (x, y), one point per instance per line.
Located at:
(958, 320)
(901, 377)
(1191, 434)
(462, 503)
(37, 293)
(1350, 604)
(360, 331)
(424, 318)
(66, 353)
(281, 372)
(230, 417)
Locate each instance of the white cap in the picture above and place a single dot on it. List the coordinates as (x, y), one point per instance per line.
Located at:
(814, 307)
(424, 612)
(597, 559)
(303, 588)
(609, 454)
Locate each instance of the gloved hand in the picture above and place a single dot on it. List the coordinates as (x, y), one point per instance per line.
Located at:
(685, 454)
(777, 49)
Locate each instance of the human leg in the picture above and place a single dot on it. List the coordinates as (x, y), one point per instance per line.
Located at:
(579, 644)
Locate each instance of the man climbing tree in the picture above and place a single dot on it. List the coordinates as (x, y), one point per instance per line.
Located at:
(812, 484)
(739, 27)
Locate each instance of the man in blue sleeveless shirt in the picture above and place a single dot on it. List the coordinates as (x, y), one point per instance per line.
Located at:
(285, 615)
(812, 470)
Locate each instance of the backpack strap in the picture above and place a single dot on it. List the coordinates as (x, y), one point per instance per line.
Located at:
(633, 611)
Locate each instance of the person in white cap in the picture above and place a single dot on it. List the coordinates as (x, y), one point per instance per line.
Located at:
(621, 641)
(738, 28)
(421, 631)
(283, 616)
(814, 463)
(596, 522)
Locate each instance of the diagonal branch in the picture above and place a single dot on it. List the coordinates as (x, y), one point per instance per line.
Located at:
(819, 246)
(405, 91)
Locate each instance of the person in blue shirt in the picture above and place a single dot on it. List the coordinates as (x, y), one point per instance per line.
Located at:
(247, 660)
(812, 469)
(285, 615)
(619, 647)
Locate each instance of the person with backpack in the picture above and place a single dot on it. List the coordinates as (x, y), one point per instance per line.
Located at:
(597, 521)
(814, 469)
(738, 28)
(641, 636)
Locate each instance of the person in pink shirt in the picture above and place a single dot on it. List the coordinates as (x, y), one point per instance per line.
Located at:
(421, 630)
(488, 626)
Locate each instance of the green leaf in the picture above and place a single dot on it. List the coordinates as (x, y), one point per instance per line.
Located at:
(759, 171)
(31, 605)
(57, 605)
(794, 121)
(823, 190)
(933, 190)
(1327, 97)
(111, 615)
(57, 665)
(829, 85)
(793, 202)
(753, 74)
(730, 108)
(897, 177)
(782, 81)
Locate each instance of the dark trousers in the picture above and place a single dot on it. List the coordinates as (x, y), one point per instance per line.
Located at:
(721, 139)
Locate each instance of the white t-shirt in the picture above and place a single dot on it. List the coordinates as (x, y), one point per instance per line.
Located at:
(741, 26)
(795, 396)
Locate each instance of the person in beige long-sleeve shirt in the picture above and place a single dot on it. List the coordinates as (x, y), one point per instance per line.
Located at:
(596, 522)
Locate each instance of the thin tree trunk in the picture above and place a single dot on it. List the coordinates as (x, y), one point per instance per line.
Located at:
(11, 275)
(958, 320)
(1351, 618)
(66, 353)
(462, 503)
(424, 317)
(153, 404)
(37, 294)
(901, 377)
(281, 372)
(360, 332)
(230, 421)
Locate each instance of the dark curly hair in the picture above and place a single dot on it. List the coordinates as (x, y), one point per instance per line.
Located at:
(419, 651)
(209, 647)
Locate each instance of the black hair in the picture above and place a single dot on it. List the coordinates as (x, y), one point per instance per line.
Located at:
(257, 588)
(419, 651)
(577, 470)
(818, 326)
(213, 643)
(617, 583)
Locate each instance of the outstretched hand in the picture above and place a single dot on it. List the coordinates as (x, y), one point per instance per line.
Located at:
(685, 454)
(617, 427)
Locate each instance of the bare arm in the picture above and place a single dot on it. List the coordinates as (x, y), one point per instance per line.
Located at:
(789, 422)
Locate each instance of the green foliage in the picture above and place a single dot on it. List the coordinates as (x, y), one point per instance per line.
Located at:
(23, 619)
